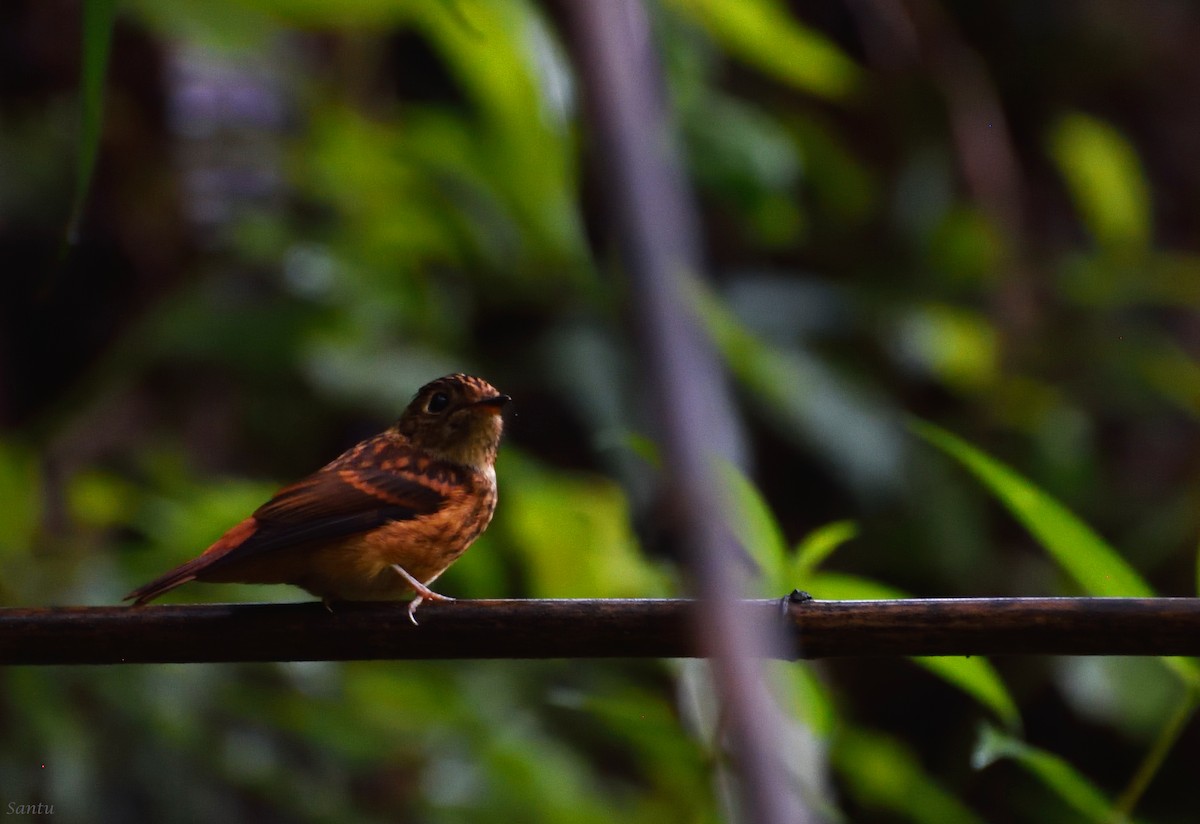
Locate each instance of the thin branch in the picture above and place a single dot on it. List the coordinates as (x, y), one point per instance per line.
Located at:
(999, 626)
(592, 629)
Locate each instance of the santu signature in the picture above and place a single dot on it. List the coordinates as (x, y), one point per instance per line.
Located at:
(30, 809)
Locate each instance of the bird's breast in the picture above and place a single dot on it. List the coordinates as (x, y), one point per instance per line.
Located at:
(360, 567)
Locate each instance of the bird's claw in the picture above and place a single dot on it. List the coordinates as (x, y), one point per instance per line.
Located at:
(424, 593)
(427, 595)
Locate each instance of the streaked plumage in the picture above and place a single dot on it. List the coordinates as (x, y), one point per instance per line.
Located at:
(407, 502)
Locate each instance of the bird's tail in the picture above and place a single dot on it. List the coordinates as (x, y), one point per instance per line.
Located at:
(193, 568)
(166, 583)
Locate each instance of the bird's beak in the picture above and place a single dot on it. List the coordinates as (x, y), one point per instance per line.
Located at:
(494, 404)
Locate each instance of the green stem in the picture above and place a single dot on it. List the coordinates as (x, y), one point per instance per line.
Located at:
(1156, 756)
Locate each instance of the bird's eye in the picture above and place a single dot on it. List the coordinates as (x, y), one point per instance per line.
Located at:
(438, 402)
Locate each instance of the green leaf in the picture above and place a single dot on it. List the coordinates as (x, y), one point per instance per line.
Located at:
(805, 400)
(958, 346)
(1053, 771)
(977, 678)
(818, 545)
(762, 33)
(755, 527)
(974, 676)
(1083, 554)
(1106, 181)
(882, 773)
(1198, 569)
(573, 533)
(838, 586)
(101, 499)
(1153, 761)
(98, 16)
(642, 446)
(801, 693)
(758, 532)
(20, 483)
(180, 523)
(1170, 371)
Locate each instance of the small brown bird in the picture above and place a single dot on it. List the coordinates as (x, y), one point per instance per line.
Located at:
(383, 519)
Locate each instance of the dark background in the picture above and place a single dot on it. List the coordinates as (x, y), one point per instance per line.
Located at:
(982, 214)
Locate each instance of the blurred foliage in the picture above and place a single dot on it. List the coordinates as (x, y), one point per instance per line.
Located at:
(979, 214)
(98, 18)
(1106, 182)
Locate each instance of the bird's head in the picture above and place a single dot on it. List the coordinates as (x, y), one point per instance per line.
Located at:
(457, 419)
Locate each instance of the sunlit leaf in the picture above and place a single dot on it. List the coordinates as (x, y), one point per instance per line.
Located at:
(755, 527)
(573, 533)
(100, 499)
(1083, 554)
(819, 544)
(957, 346)
(1106, 181)
(519, 81)
(762, 33)
(839, 586)
(758, 532)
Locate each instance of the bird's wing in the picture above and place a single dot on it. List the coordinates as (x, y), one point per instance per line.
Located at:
(329, 504)
(337, 503)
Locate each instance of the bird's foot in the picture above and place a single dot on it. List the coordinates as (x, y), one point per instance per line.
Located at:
(424, 593)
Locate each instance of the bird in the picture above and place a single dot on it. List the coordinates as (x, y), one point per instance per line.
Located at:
(380, 521)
